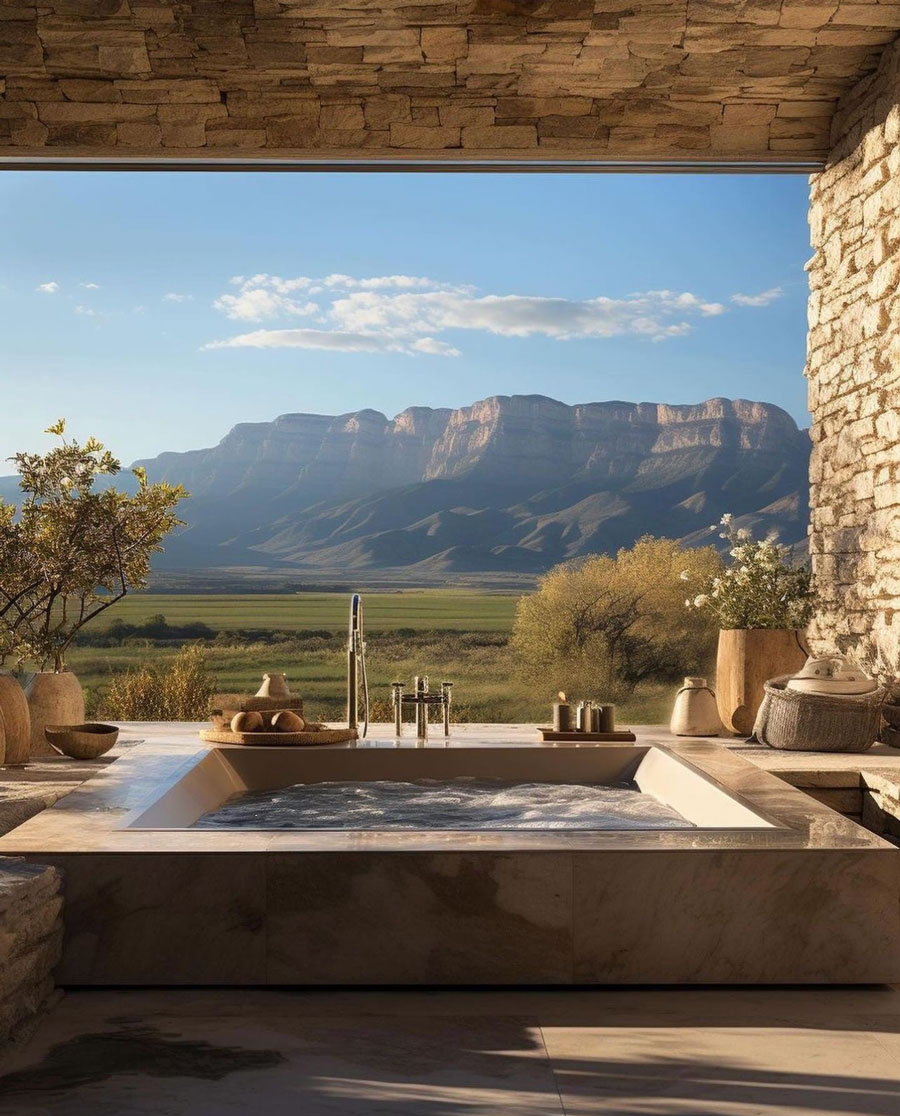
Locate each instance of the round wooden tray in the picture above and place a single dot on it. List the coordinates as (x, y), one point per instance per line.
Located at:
(279, 739)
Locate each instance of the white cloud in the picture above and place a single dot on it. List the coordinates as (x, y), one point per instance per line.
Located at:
(333, 340)
(434, 347)
(407, 313)
(264, 297)
(564, 319)
(90, 286)
(86, 310)
(257, 304)
(173, 296)
(48, 288)
(761, 299)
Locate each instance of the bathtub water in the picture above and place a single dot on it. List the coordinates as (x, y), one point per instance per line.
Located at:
(456, 804)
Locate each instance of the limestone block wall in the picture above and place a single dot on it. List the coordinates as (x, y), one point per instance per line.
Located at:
(454, 78)
(854, 371)
(30, 941)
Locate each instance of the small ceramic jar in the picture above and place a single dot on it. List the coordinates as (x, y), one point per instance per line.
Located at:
(695, 712)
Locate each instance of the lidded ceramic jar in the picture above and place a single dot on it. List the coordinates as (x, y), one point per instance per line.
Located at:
(274, 686)
(695, 712)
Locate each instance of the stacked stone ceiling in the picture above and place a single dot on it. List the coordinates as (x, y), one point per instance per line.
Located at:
(433, 79)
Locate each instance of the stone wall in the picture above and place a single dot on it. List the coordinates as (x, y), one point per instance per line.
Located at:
(30, 942)
(755, 79)
(854, 371)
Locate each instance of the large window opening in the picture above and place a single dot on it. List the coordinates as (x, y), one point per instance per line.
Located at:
(430, 388)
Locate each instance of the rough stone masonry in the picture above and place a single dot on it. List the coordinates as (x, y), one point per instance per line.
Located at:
(30, 943)
(854, 372)
(545, 79)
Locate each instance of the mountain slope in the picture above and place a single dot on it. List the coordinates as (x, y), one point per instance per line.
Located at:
(511, 483)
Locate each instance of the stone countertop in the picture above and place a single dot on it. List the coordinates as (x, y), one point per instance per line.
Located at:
(24, 791)
(90, 820)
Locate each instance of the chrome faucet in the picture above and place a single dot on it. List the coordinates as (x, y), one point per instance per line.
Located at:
(356, 667)
(421, 700)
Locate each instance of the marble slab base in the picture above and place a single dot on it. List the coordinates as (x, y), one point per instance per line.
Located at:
(802, 897)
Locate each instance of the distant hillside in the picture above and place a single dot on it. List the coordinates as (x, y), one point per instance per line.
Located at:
(511, 484)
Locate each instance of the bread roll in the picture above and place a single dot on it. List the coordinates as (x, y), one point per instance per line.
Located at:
(246, 722)
(288, 721)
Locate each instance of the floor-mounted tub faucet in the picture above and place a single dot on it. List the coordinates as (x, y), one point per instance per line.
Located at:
(421, 700)
(356, 668)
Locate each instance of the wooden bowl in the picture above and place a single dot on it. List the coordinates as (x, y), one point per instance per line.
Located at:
(81, 742)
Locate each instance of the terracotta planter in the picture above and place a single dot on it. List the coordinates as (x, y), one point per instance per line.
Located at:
(16, 720)
(747, 657)
(53, 699)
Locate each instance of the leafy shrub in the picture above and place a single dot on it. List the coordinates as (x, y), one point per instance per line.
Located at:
(178, 689)
(71, 549)
(600, 626)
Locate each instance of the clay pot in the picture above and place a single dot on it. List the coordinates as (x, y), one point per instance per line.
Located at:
(695, 712)
(16, 720)
(746, 659)
(53, 699)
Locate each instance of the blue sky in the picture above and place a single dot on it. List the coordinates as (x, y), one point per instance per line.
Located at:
(158, 310)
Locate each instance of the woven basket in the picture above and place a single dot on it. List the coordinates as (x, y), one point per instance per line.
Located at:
(801, 722)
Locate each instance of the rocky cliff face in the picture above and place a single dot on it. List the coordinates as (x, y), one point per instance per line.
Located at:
(510, 483)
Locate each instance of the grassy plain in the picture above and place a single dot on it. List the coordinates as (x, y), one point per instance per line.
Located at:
(458, 635)
(421, 609)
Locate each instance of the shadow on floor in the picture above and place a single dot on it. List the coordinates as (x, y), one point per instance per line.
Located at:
(574, 1053)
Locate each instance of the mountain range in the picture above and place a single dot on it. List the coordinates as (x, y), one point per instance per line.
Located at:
(510, 484)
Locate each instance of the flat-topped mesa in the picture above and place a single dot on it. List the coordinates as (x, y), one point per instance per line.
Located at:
(515, 482)
(364, 450)
(518, 436)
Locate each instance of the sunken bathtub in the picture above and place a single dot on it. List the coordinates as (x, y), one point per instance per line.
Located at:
(733, 877)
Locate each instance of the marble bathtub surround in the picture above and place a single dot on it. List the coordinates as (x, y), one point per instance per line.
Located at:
(805, 897)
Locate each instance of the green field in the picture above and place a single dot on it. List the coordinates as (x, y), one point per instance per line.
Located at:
(457, 635)
(421, 609)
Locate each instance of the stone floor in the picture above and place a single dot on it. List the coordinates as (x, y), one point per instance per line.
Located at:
(717, 1052)
(672, 1052)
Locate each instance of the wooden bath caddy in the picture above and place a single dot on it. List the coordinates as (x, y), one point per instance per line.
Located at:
(244, 703)
(279, 739)
(574, 737)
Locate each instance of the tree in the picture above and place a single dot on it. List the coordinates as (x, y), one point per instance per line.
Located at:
(71, 550)
(600, 625)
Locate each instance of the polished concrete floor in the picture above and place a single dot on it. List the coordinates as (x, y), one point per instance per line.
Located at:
(717, 1052)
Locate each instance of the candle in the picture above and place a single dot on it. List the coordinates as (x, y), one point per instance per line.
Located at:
(562, 714)
(606, 722)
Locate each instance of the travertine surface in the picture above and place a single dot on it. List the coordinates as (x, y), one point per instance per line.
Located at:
(422, 1052)
(30, 941)
(489, 907)
(454, 78)
(854, 373)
